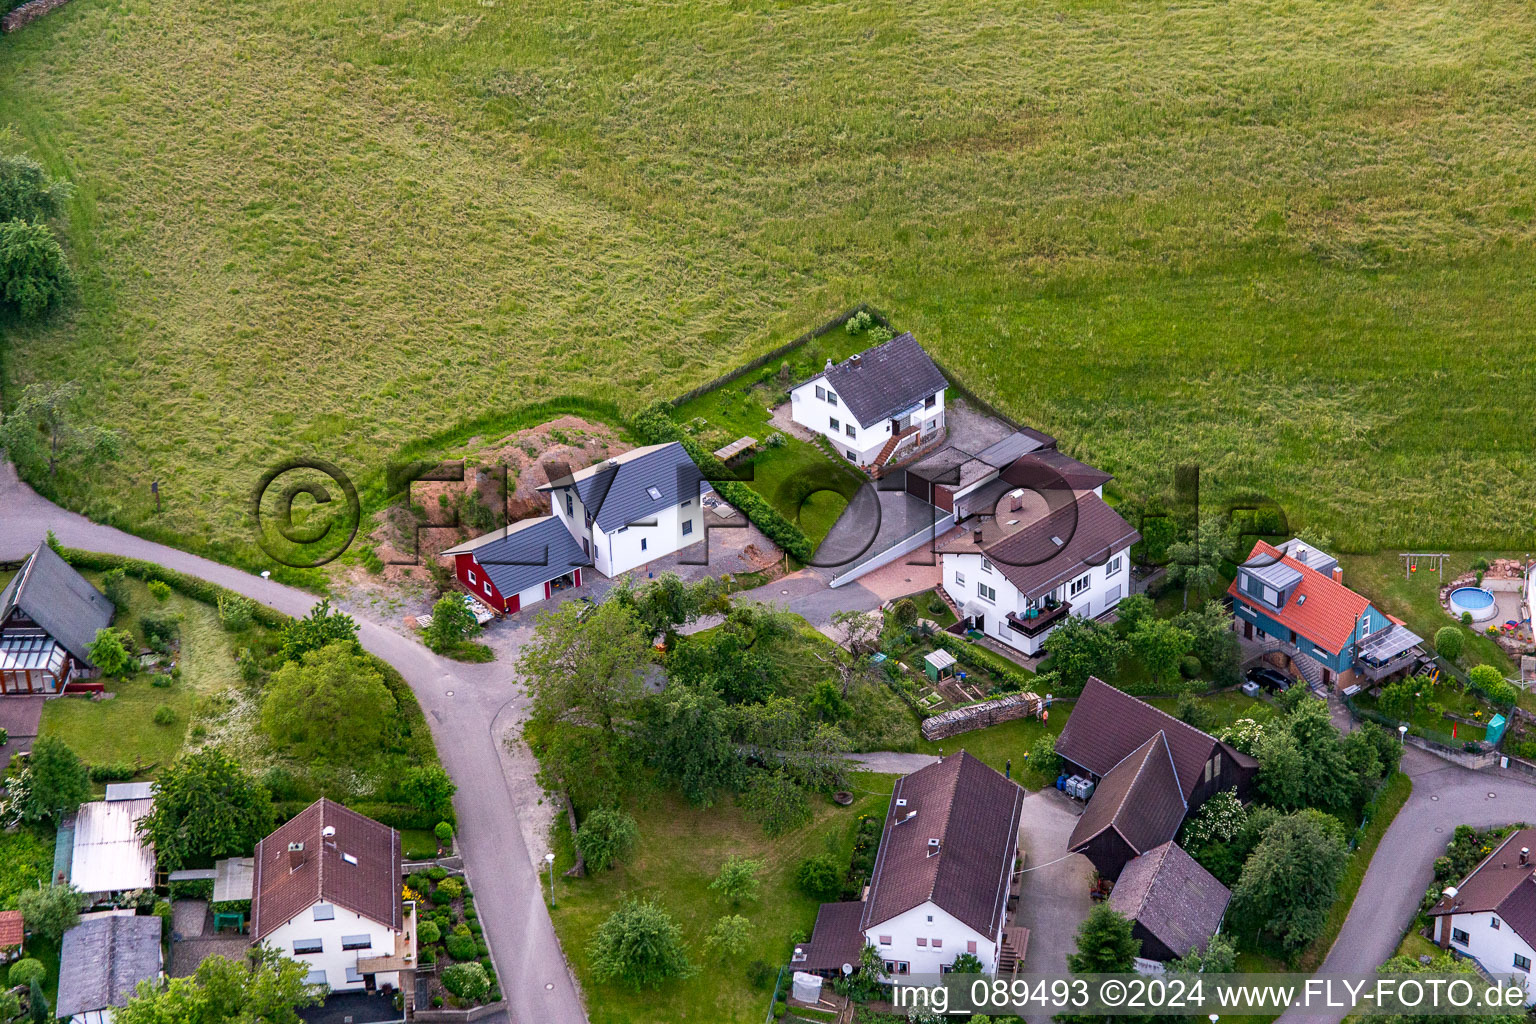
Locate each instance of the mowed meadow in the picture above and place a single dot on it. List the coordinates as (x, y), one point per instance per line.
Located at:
(1290, 241)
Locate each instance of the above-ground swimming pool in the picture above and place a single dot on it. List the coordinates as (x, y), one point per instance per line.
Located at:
(1475, 601)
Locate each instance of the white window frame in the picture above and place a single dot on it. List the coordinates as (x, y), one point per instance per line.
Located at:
(1113, 567)
(986, 593)
(1079, 585)
(959, 578)
(986, 565)
(474, 580)
(487, 588)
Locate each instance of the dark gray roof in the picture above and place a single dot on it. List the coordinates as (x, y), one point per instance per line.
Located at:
(525, 553)
(50, 592)
(1061, 545)
(885, 380)
(103, 959)
(1173, 897)
(1051, 467)
(1015, 446)
(617, 492)
(1138, 798)
(1276, 574)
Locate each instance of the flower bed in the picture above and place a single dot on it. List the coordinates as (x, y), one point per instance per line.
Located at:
(448, 938)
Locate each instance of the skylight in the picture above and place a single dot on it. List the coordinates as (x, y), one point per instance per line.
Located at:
(349, 858)
(654, 492)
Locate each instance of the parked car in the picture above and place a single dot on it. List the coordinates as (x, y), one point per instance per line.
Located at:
(1271, 679)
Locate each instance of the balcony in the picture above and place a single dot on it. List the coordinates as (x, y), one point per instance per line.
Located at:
(1405, 661)
(1045, 620)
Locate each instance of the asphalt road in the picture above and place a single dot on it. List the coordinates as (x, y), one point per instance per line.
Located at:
(461, 702)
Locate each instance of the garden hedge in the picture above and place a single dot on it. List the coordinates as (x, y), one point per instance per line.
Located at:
(191, 586)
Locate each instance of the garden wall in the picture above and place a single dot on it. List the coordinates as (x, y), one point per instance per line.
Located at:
(474, 1013)
(28, 13)
(980, 716)
(1477, 762)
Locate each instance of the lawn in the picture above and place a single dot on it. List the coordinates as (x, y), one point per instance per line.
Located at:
(123, 730)
(1287, 241)
(681, 850)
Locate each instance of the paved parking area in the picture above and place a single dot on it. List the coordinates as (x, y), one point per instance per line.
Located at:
(1053, 898)
(19, 716)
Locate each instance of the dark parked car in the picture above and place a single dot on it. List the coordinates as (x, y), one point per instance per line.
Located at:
(1271, 679)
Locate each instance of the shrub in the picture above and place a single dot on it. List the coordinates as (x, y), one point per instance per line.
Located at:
(440, 897)
(606, 837)
(109, 652)
(1043, 757)
(860, 321)
(236, 613)
(443, 831)
(461, 947)
(1450, 642)
(452, 886)
(26, 971)
(165, 715)
(820, 877)
(437, 874)
(1491, 684)
(639, 944)
(160, 630)
(159, 589)
(467, 981)
(115, 585)
(34, 275)
(1189, 666)
(905, 612)
(759, 974)
(427, 933)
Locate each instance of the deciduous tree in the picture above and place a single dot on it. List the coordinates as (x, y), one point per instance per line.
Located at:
(606, 837)
(56, 782)
(1289, 882)
(50, 910)
(206, 806)
(639, 945)
(322, 627)
(737, 882)
(40, 432)
(332, 704)
(263, 986)
(34, 275)
(1159, 644)
(1080, 648)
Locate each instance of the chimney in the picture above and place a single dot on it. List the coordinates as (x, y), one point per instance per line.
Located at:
(1525, 855)
(295, 856)
(976, 535)
(1016, 501)
(855, 361)
(1338, 574)
(329, 832)
(824, 369)
(933, 847)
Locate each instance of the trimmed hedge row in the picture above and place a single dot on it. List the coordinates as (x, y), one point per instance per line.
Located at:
(654, 425)
(192, 586)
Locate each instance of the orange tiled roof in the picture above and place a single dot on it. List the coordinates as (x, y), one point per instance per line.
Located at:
(11, 929)
(1328, 615)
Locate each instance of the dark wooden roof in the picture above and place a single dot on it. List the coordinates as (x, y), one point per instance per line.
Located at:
(1501, 884)
(1078, 532)
(1139, 798)
(52, 594)
(103, 959)
(1051, 467)
(1107, 724)
(1175, 899)
(836, 939)
(358, 868)
(973, 811)
(885, 380)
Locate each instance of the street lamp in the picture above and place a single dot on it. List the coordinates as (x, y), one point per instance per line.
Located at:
(1402, 734)
(549, 859)
(1215, 1017)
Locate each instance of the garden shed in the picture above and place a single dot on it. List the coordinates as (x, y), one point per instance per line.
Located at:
(939, 664)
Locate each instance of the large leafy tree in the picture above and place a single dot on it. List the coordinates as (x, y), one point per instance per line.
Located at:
(56, 782)
(51, 910)
(206, 806)
(640, 946)
(586, 680)
(1289, 882)
(606, 837)
(691, 742)
(1441, 965)
(1212, 640)
(1160, 645)
(27, 192)
(452, 624)
(34, 275)
(1105, 944)
(1303, 761)
(665, 603)
(1080, 648)
(727, 660)
(332, 705)
(264, 986)
(41, 433)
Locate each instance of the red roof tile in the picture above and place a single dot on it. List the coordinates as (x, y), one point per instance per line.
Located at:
(12, 931)
(1320, 609)
(357, 867)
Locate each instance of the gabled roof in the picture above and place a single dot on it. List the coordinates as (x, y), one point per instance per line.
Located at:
(618, 491)
(1061, 545)
(525, 553)
(1016, 445)
(12, 929)
(1169, 894)
(835, 938)
(51, 593)
(973, 811)
(357, 867)
(1107, 724)
(882, 381)
(1502, 885)
(1319, 608)
(103, 959)
(109, 855)
(1139, 798)
(1050, 467)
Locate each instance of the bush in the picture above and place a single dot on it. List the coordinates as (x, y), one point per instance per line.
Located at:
(1487, 680)
(159, 589)
(437, 874)
(606, 837)
(427, 933)
(1450, 642)
(1043, 757)
(236, 613)
(461, 947)
(109, 652)
(467, 981)
(1189, 666)
(820, 877)
(452, 886)
(165, 715)
(760, 974)
(905, 612)
(443, 831)
(115, 585)
(25, 972)
(34, 276)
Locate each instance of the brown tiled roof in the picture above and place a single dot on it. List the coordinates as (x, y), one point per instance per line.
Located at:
(1500, 884)
(1107, 724)
(357, 868)
(1138, 798)
(1173, 897)
(1061, 545)
(12, 931)
(1320, 608)
(973, 811)
(836, 939)
(1049, 467)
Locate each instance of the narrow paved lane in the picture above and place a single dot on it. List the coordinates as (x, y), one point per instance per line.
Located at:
(1444, 796)
(461, 703)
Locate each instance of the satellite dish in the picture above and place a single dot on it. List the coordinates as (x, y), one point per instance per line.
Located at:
(847, 969)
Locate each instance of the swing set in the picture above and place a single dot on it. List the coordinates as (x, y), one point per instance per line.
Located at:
(1431, 561)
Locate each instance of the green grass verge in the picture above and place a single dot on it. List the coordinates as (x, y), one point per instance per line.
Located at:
(1388, 803)
(680, 851)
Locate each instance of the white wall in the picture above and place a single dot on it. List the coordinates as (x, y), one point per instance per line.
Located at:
(332, 959)
(1104, 590)
(1495, 948)
(867, 440)
(621, 550)
(905, 929)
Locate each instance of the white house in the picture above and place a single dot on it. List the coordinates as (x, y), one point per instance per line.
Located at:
(614, 516)
(1050, 548)
(878, 405)
(1491, 915)
(942, 879)
(327, 893)
(102, 960)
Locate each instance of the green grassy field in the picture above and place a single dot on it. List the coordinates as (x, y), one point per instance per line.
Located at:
(1288, 240)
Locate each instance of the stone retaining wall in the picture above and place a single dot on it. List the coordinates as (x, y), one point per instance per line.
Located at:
(28, 13)
(980, 716)
(430, 1016)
